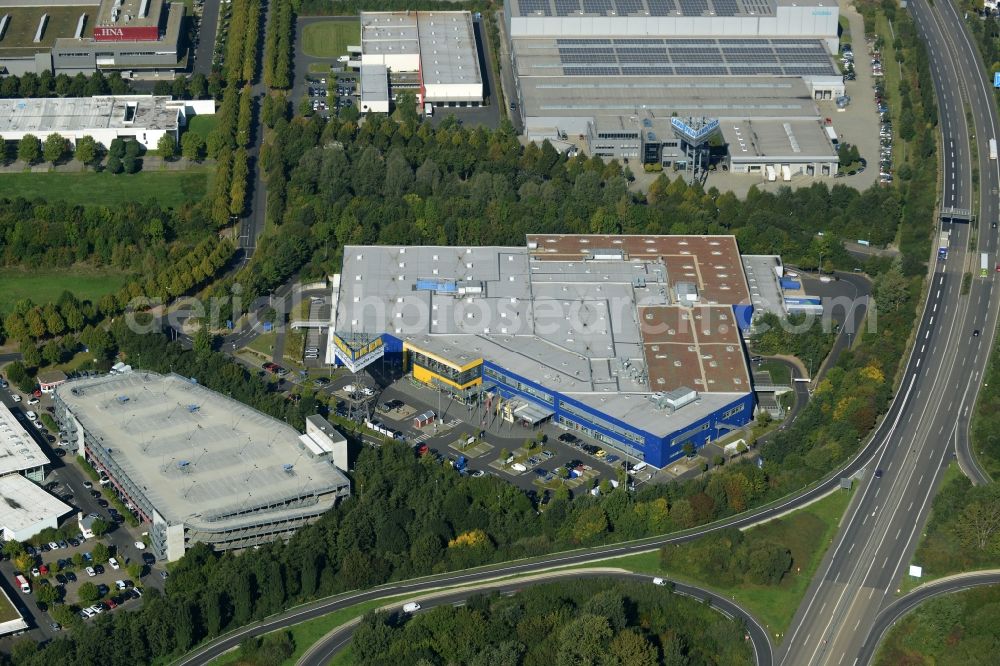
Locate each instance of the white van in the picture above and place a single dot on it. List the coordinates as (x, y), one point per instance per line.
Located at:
(518, 467)
(659, 581)
(31, 415)
(639, 467)
(411, 607)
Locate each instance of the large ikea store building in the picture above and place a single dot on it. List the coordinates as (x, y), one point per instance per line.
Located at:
(635, 341)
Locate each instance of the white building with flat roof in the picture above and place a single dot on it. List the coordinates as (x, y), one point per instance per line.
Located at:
(26, 508)
(195, 465)
(144, 118)
(440, 47)
(18, 450)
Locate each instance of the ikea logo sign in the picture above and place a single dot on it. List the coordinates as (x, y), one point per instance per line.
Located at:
(822, 12)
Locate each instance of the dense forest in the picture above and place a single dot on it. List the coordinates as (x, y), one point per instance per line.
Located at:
(592, 621)
(963, 532)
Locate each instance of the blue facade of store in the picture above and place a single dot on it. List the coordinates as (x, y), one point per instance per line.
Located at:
(636, 443)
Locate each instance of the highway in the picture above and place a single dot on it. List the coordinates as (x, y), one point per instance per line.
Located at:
(323, 651)
(925, 426)
(874, 546)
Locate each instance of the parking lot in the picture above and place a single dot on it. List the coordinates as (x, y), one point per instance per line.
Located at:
(67, 480)
(459, 431)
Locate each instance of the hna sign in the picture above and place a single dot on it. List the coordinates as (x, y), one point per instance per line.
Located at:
(144, 33)
(822, 12)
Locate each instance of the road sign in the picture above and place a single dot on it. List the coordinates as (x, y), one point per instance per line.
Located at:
(996, 79)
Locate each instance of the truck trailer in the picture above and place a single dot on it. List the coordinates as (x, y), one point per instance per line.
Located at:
(984, 265)
(993, 149)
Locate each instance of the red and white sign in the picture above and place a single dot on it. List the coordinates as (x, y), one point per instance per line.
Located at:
(147, 33)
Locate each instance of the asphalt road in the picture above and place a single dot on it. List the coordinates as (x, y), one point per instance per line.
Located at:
(899, 608)
(323, 651)
(207, 32)
(876, 542)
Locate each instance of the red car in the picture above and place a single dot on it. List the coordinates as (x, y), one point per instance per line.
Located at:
(43, 569)
(111, 603)
(422, 450)
(37, 393)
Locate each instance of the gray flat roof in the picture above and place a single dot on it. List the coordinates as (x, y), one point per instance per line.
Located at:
(195, 453)
(445, 41)
(655, 56)
(564, 312)
(23, 503)
(54, 114)
(448, 48)
(715, 97)
(762, 275)
(374, 83)
(18, 450)
(751, 140)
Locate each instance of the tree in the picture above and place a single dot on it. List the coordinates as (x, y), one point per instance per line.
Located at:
(583, 641)
(55, 147)
(51, 352)
(88, 593)
(46, 594)
(115, 164)
(100, 527)
(203, 341)
(192, 146)
(167, 147)
(18, 374)
(631, 649)
(86, 150)
(101, 553)
(978, 526)
(32, 356)
(12, 549)
(29, 149)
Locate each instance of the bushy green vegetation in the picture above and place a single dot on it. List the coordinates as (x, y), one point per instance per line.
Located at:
(986, 422)
(959, 628)
(963, 532)
(593, 621)
(63, 85)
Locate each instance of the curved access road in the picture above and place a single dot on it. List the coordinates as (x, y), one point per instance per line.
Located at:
(323, 651)
(907, 603)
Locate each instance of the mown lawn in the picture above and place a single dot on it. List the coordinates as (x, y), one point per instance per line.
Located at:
(203, 125)
(45, 286)
(330, 39)
(169, 188)
(806, 533)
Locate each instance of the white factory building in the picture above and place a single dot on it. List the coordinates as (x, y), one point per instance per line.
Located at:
(25, 508)
(433, 53)
(614, 73)
(144, 118)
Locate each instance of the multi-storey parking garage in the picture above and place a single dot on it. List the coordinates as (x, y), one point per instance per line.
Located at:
(195, 465)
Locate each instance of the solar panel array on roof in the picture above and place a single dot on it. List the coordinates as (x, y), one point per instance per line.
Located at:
(725, 7)
(693, 7)
(602, 7)
(567, 7)
(662, 7)
(628, 7)
(694, 57)
(528, 7)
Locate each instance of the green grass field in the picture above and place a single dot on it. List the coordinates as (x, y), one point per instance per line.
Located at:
(45, 286)
(806, 533)
(203, 125)
(170, 188)
(330, 39)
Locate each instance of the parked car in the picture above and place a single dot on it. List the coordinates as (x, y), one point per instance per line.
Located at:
(91, 571)
(114, 564)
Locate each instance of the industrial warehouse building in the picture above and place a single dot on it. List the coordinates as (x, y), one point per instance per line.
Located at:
(25, 507)
(614, 72)
(195, 465)
(432, 54)
(634, 341)
(144, 118)
(82, 36)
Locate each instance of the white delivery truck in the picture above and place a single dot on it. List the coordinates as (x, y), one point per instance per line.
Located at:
(428, 109)
(993, 149)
